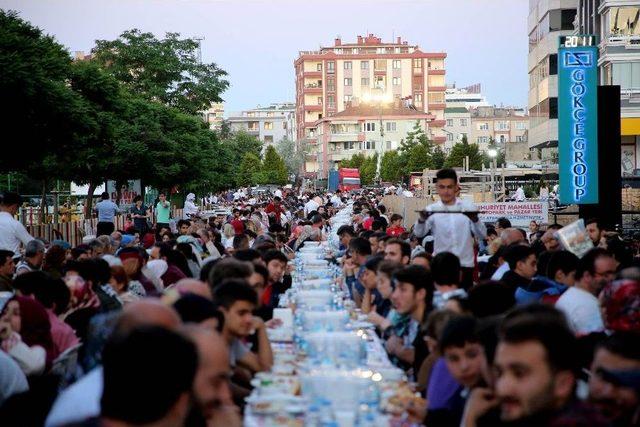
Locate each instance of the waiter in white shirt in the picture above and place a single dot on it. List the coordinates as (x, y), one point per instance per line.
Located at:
(452, 232)
(336, 200)
(12, 232)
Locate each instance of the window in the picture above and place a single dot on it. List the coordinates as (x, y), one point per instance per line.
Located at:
(347, 65)
(331, 66)
(379, 82)
(319, 100)
(483, 126)
(502, 125)
(369, 145)
(449, 122)
(348, 145)
(482, 139)
(389, 145)
(463, 122)
(269, 113)
(503, 138)
(519, 138)
(331, 85)
(391, 126)
(254, 126)
(268, 139)
(369, 127)
(331, 101)
(396, 81)
(626, 74)
(347, 99)
(347, 81)
(396, 64)
(284, 125)
(268, 125)
(449, 137)
(319, 67)
(553, 108)
(417, 97)
(380, 64)
(364, 81)
(417, 63)
(364, 65)
(521, 125)
(338, 51)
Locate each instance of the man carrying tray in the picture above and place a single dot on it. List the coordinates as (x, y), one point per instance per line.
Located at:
(452, 232)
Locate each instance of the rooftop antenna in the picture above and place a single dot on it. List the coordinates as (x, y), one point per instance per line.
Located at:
(199, 48)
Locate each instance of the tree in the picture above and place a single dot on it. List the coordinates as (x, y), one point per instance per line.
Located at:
(293, 154)
(416, 151)
(461, 150)
(368, 169)
(438, 158)
(356, 161)
(391, 166)
(38, 104)
(166, 70)
(274, 170)
(249, 171)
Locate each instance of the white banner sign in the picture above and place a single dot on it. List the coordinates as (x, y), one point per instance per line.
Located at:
(519, 213)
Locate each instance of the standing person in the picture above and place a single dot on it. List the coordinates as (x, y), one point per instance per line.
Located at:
(140, 214)
(163, 212)
(190, 208)
(107, 211)
(12, 232)
(452, 232)
(275, 210)
(336, 199)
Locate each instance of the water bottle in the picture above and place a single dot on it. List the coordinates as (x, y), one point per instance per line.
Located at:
(327, 418)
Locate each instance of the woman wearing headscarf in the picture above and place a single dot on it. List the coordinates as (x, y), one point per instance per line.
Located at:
(308, 234)
(25, 332)
(84, 304)
(190, 208)
(120, 283)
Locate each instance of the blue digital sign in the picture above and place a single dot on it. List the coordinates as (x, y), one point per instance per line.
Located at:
(578, 121)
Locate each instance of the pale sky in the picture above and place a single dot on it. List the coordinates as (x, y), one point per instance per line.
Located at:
(256, 41)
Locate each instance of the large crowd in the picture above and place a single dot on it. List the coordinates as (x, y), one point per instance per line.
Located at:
(165, 322)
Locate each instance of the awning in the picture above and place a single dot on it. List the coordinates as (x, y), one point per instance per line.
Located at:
(630, 126)
(546, 144)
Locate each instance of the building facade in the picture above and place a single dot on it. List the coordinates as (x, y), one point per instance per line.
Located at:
(548, 19)
(503, 125)
(457, 126)
(269, 124)
(468, 97)
(365, 129)
(214, 116)
(330, 80)
(617, 25)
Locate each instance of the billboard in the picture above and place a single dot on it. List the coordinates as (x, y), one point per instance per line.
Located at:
(578, 119)
(519, 213)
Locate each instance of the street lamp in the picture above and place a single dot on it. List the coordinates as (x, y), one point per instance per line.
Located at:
(493, 153)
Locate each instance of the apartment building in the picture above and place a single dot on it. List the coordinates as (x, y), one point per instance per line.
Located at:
(371, 71)
(503, 125)
(269, 124)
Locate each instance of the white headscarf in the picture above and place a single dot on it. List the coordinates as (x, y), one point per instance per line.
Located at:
(158, 267)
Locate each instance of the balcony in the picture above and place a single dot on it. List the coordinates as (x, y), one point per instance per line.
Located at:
(345, 137)
(437, 88)
(312, 74)
(417, 88)
(435, 72)
(417, 71)
(439, 139)
(435, 106)
(253, 131)
(313, 107)
(314, 88)
(438, 123)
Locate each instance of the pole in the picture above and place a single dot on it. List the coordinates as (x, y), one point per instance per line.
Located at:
(493, 179)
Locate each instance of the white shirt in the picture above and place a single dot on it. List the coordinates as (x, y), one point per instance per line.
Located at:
(190, 209)
(452, 232)
(278, 193)
(497, 275)
(310, 206)
(582, 310)
(335, 200)
(78, 402)
(12, 232)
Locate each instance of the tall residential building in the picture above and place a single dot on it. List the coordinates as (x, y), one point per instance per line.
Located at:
(367, 129)
(548, 19)
(214, 116)
(269, 124)
(617, 25)
(367, 71)
(503, 125)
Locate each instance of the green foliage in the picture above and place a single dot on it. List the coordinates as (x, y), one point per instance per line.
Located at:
(438, 158)
(274, 170)
(165, 70)
(366, 165)
(416, 151)
(460, 151)
(391, 166)
(500, 158)
(249, 171)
